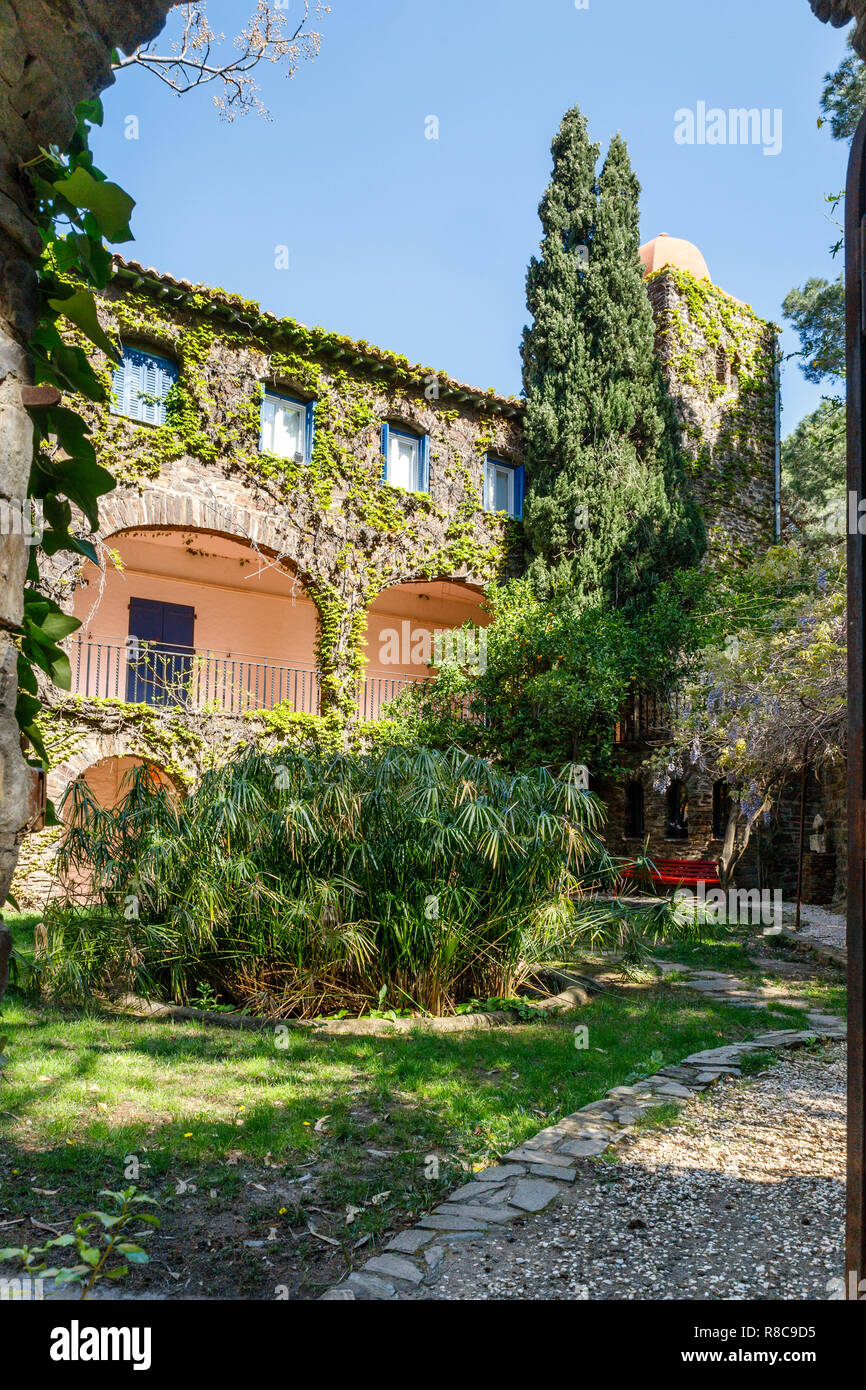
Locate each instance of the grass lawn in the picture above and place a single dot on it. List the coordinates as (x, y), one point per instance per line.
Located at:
(762, 960)
(222, 1124)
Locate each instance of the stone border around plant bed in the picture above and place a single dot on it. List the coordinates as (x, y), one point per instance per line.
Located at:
(834, 955)
(131, 1005)
(528, 1178)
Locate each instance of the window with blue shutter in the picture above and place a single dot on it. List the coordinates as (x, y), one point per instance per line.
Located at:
(407, 459)
(287, 427)
(141, 384)
(503, 487)
(519, 489)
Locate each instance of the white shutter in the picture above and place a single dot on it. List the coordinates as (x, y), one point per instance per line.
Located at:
(269, 406)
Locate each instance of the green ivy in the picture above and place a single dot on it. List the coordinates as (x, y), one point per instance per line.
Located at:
(76, 210)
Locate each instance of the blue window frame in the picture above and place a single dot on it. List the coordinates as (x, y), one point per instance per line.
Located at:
(407, 459)
(287, 427)
(140, 386)
(503, 487)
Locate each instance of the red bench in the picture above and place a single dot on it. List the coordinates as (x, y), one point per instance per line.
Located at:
(680, 873)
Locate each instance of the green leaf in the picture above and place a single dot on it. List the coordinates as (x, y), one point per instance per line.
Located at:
(67, 366)
(59, 625)
(80, 309)
(109, 203)
(83, 483)
(90, 108)
(31, 732)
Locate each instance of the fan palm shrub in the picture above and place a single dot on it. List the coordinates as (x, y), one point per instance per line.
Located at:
(300, 884)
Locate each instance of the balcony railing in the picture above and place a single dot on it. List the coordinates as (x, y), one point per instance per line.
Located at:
(646, 717)
(378, 687)
(150, 673)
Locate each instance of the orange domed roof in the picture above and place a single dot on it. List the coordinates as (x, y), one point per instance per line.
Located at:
(671, 250)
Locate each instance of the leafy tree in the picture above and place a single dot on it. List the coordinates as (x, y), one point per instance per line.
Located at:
(770, 698)
(817, 314)
(843, 99)
(555, 353)
(556, 676)
(813, 464)
(608, 511)
(77, 210)
(813, 456)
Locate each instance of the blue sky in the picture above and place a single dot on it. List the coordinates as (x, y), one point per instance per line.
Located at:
(421, 245)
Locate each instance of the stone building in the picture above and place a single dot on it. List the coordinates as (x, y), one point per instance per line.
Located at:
(297, 515)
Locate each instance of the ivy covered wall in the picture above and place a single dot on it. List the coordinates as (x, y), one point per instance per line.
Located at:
(334, 522)
(719, 360)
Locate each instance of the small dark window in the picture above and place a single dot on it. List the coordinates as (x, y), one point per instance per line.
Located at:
(721, 808)
(634, 810)
(678, 811)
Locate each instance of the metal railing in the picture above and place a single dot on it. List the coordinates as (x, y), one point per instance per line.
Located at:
(151, 673)
(377, 688)
(646, 717)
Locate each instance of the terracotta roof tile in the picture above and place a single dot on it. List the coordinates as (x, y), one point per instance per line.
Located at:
(328, 343)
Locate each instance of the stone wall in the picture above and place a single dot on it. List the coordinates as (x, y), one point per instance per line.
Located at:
(701, 842)
(771, 858)
(824, 875)
(719, 362)
(51, 57)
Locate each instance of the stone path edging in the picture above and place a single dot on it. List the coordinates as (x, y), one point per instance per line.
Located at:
(132, 1006)
(834, 954)
(532, 1175)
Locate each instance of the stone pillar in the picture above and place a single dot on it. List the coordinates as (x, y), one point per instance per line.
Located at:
(16, 450)
(51, 57)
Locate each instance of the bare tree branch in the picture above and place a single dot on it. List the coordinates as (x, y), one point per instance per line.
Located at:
(198, 56)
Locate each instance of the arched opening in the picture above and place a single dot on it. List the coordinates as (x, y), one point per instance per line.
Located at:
(634, 809)
(721, 808)
(108, 780)
(192, 618)
(409, 626)
(677, 811)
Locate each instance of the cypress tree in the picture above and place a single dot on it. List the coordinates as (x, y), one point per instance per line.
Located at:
(609, 511)
(556, 352)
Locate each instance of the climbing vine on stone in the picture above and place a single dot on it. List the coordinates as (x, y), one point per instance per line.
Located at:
(77, 210)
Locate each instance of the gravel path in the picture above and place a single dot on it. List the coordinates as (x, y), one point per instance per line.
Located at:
(741, 1198)
(820, 924)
